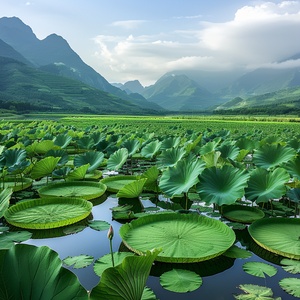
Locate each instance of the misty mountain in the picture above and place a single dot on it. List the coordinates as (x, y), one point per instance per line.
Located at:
(23, 88)
(53, 54)
(179, 93)
(133, 86)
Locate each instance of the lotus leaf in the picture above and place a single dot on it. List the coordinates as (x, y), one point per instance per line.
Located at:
(78, 173)
(170, 157)
(170, 142)
(48, 213)
(117, 159)
(29, 272)
(132, 146)
(255, 292)
(179, 236)
(93, 158)
(278, 235)
(272, 155)
(105, 262)
(115, 183)
(242, 213)
(180, 281)
(180, 178)
(264, 185)
(62, 140)
(44, 167)
(78, 262)
(209, 147)
(293, 167)
(148, 294)
(291, 266)
(127, 280)
(228, 150)
(11, 157)
(132, 189)
(5, 196)
(62, 154)
(222, 186)
(83, 189)
(259, 269)
(291, 286)
(151, 149)
(40, 147)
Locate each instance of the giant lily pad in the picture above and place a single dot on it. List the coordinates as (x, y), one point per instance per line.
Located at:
(182, 237)
(278, 235)
(242, 213)
(83, 189)
(16, 183)
(115, 183)
(48, 213)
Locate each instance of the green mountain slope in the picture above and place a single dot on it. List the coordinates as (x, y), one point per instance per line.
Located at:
(285, 101)
(179, 93)
(26, 89)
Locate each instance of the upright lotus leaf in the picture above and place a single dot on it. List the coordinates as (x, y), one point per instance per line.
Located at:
(265, 185)
(127, 280)
(180, 178)
(133, 189)
(272, 155)
(44, 167)
(151, 149)
(293, 167)
(222, 186)
(40, 147)
(212, 159)
(93, 158)
(85, 142)
(210, 146)
(246, 144)
(29, 272)
(152, 178)
(62, 140)
(170, 142)
(228, 150)
(78, 173)
(170, 157)
(62, 154)
(11, 157)
(117, 159)
(5, 196)
(180, 281)
(132, 146)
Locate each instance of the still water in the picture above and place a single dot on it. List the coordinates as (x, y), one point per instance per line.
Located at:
(221, 277)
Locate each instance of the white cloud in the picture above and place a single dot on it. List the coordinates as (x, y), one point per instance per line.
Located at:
(259, 35)
(128, 24)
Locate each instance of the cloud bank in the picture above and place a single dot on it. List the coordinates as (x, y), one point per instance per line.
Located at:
(262, 35)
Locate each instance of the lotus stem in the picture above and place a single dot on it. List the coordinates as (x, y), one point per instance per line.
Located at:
(110, 236)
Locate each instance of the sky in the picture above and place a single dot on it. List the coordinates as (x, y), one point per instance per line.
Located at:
(126, 40)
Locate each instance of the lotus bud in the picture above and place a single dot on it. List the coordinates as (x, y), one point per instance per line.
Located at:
(110, 233)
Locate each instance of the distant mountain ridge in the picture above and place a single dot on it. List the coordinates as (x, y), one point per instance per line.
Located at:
(53, 54)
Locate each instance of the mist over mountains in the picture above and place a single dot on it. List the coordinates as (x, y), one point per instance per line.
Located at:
(42, 62)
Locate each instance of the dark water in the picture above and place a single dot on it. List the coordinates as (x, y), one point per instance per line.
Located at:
(221, 277)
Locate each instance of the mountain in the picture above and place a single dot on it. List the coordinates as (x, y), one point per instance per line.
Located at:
(53, 54)
(264, 80)
(133, 86)
(24, 89)
(281, 101)
(179, 93)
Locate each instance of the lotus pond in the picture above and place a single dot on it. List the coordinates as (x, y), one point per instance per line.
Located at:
(115, 213)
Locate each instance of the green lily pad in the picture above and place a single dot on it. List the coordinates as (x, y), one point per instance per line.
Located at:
(115, 183)
(99, 225)
(48, 213)
(278, 235)
(82, 189)
(79, 261)
(242, 213)
(236, 252)
(259, 269)
(8, 239)
(255, 292)
(179, 236)
(291, 266)
(17, 184)
(291, 286)
(180, 281)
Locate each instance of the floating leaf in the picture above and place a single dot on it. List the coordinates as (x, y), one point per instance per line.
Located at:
(291, 266)
(255, 292)
(236, 252)
(291, 286)
(8, 239)
(73, 229)
(180, 281)
(99, 225)
(79, 261)
(259, 269)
